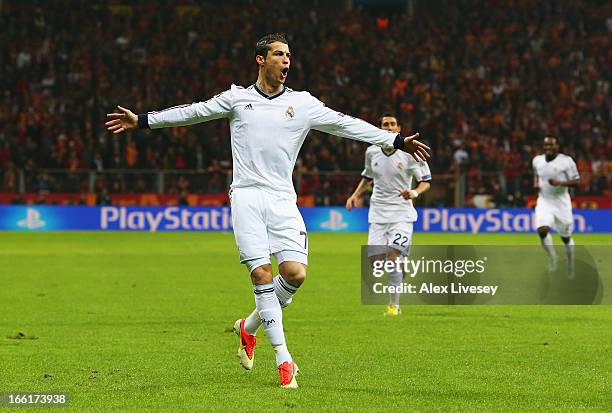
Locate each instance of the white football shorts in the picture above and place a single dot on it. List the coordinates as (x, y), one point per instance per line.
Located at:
(396, 235)
(554, 214)
(267, 224)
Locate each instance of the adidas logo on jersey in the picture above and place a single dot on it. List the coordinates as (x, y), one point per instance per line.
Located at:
(248, 107)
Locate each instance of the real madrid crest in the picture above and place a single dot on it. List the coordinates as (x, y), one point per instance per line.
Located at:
(290, 113)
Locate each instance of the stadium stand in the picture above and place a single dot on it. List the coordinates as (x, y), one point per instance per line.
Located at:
(481, 92)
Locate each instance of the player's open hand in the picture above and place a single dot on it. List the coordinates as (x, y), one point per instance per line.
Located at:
(122, 121)
(418, 150)
(350, 202)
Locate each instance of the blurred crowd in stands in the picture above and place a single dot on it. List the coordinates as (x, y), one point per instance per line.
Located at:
(483, 81)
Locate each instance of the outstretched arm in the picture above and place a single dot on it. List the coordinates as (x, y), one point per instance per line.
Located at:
(364, 185)
(217, 107)
(329, 121)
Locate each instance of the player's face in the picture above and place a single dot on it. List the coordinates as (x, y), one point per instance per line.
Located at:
(390, 123)
(277, 62)
(550, 146)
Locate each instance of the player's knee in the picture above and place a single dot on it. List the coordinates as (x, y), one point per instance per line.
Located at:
(393, 254)
(297, 278)
(543, 232)
(262, 275)
(293, 272)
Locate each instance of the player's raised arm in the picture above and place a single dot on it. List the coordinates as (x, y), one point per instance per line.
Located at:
(327, 120)
(122, 120)
(416, 148)
(217, 107)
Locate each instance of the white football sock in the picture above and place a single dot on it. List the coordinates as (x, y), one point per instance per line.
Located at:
(282, 354)
(547, 244)
(252, 322)
(271, 316)
(284, 292)
(569, 251)
(394, 280)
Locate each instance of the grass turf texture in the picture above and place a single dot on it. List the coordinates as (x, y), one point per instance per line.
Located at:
(141, 321)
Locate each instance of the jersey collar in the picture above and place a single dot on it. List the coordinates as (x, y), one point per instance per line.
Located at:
(387, 154)
(264, 94)
(552, 157)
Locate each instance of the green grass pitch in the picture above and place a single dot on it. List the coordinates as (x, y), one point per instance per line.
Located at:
(140, 321)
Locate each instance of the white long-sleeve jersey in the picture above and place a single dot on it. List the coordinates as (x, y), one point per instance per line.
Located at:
(267, 132)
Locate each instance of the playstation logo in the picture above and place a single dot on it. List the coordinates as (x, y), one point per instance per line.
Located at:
(32, 220)
(335, 222)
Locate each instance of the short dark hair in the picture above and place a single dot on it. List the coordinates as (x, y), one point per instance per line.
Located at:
(551, 137)
(262, 47)
(387, 115)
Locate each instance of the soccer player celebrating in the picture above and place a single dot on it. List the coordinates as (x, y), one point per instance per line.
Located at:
(553, 173)
(268, 124)
(391, 211)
